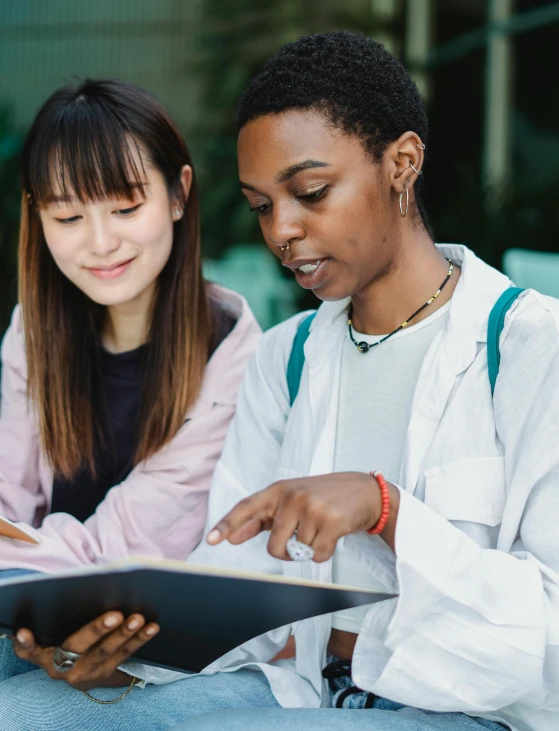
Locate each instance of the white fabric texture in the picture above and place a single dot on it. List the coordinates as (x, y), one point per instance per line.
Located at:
(376, 394)
(475, 627)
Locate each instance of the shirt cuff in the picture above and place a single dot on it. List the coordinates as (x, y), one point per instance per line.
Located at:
(427, 546)
(147, 674)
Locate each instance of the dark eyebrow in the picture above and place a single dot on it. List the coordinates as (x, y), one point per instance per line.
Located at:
(292, 170)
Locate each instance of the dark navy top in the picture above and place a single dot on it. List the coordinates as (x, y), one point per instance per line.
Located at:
(116, 409)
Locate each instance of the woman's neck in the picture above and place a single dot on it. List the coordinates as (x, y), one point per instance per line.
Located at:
(413, 278)
(126, 325)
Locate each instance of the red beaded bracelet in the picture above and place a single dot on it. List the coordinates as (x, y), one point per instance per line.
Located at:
(380, 525)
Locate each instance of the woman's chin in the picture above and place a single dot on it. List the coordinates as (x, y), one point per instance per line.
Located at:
(332, 293)
(111, 296)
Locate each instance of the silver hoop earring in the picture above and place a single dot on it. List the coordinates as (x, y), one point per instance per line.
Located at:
(402, 212)
(421, 146)
(419, 172)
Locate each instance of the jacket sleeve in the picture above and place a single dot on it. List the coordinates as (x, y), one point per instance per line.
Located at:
(474, 629)
(249, 459)
(251, 451)
(21, 493)
(160, 509)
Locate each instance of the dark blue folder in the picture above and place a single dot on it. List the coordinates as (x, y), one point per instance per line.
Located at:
(203, 614)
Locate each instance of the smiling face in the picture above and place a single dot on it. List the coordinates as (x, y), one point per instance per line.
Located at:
(318, 190)
(114, 250)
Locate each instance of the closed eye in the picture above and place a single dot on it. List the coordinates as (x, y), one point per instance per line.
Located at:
(128, 211)
(66, 221)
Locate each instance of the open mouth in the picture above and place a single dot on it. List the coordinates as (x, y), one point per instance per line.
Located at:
(309, 268)
(312, 275)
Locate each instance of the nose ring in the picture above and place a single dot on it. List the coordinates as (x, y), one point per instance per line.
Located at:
(284, 248)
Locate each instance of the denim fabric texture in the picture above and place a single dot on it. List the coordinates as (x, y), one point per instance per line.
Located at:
(332, 719)
(380, 714)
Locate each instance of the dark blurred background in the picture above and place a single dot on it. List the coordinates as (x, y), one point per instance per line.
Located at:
(486, 69)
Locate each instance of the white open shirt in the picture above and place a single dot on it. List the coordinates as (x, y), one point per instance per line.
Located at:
(476, 625)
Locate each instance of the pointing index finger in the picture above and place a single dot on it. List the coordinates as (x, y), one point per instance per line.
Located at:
(256, 507)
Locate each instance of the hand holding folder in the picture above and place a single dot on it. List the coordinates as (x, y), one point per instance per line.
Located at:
(203, 612)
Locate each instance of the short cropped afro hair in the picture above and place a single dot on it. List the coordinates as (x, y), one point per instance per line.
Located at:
(352, 79)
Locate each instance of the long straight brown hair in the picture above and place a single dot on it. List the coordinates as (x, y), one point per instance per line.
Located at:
(80, 144)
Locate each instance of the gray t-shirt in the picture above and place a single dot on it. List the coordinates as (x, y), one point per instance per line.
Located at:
(376, 394)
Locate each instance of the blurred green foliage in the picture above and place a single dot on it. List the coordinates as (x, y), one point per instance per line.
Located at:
(10, 196)
(237, 37)
(233, 40)
(527, 218)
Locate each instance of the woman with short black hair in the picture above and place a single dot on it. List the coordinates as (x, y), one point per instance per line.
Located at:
(404, 426)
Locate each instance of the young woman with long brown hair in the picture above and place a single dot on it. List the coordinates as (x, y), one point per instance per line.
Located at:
(121, 365)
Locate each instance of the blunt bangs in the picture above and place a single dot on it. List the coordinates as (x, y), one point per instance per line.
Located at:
(85, 151)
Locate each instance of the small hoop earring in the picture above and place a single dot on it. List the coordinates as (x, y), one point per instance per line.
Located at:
(419, 172)
(402, 212)
(421, 146)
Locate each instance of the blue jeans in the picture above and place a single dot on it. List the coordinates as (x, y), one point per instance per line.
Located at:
(239, 701)
(385, 716)
(379, 713)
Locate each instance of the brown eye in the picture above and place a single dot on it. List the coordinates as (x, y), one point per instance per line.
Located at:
(264, 208)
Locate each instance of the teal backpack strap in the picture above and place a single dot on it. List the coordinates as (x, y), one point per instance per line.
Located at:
(297, 357)
(494, 330)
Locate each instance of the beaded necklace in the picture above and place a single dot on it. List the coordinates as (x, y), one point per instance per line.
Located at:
(364, 347)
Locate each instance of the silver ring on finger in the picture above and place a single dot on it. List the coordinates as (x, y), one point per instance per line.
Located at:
(64, 660)
(299, 551)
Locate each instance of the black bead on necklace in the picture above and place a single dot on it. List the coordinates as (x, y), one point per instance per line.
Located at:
(364, 347)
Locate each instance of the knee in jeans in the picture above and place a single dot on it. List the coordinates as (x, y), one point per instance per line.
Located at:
(232, 720)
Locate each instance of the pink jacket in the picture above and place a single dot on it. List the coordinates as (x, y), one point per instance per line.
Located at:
(160, 509)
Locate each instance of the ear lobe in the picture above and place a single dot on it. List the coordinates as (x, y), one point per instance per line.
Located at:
(178, 212)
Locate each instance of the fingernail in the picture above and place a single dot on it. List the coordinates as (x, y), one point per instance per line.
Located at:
(111, 620)
(213, 536)
(134, 624)
(151, 631)
(21, 638)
